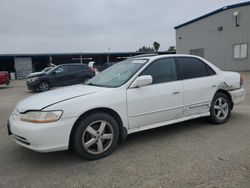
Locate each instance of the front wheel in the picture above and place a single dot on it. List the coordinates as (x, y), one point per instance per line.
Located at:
(43, 86)
(220, 110)
(96, 136)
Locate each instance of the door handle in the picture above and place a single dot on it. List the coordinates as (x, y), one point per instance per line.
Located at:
(213, 85)
(176, 92)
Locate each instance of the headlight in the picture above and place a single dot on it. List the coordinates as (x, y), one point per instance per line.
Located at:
(41, 116)
(33, 79)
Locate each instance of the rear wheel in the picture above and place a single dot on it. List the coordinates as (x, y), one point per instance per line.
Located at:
(96, 136)
(43, 86)
(220, 110)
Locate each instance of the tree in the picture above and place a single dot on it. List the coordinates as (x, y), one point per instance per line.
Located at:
(146, 49)
(156, 46)
(171, 48)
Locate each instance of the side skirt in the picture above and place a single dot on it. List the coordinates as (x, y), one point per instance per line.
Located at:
(152, 126)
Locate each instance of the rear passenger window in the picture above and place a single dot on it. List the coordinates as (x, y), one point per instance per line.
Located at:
(210, 71)
(76, 68)
(163, 70)
(193, 68)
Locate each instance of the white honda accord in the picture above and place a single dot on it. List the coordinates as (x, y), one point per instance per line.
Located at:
(133, 95)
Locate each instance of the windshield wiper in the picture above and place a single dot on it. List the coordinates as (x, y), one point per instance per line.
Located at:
(91, 84)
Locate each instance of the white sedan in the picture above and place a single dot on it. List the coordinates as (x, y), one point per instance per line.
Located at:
(134, 95)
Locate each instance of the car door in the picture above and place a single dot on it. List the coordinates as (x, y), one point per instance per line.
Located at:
(76, 73)
(159, 102)
(199, 85)
(84, 73)
(62, 76)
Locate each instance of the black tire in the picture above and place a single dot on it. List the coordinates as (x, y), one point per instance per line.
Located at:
(86, 79)
(224, 107)
(87, 144)
(43, 86)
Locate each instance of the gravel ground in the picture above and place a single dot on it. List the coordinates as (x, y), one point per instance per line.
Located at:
(189, 154)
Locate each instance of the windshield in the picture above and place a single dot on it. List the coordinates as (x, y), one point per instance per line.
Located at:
(51, 70)
(46, 69)
(117, 74)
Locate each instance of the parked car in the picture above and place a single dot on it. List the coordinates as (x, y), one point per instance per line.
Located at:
(46, 69)
(101, 68)
(4, 77)
(130, 96)
(62, 75)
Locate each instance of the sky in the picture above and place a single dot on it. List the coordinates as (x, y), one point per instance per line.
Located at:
(64, 26)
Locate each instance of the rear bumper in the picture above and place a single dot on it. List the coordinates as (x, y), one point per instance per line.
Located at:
(238, 95)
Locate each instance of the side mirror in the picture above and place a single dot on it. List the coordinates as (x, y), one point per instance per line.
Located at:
(142, 81)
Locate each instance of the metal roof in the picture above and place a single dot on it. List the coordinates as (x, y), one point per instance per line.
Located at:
(212, 13)
(79, 53)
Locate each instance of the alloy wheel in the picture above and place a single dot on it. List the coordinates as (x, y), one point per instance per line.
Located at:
(97, 137)
(221, 108)
(44, 86)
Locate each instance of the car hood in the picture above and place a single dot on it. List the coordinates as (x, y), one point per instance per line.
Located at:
(35, 74)
(43, 100)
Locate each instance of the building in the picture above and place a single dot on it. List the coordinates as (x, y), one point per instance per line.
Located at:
(222, 37)
(23, 64)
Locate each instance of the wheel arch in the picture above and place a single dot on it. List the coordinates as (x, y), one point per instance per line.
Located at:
(113, 113)
(228, 95)
(45, 80)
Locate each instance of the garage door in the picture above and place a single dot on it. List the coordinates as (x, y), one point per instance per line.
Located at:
(23, 66)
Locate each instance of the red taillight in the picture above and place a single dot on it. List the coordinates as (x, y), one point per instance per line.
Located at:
(241, 80)
(92, 69)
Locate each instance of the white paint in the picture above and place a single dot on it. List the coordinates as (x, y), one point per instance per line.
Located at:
(140, 108)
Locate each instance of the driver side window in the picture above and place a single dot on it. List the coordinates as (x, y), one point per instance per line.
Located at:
(61, 70)
(162, 70)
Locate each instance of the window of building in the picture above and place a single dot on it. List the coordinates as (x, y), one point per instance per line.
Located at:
(193, 68)
(163, 70)
(240, 51)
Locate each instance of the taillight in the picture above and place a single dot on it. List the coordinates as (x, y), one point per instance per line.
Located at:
(241, 80)
(92, 69)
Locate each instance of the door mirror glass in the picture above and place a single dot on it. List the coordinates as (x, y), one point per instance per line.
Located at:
(142, 81)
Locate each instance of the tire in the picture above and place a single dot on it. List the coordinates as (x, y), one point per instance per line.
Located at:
(43, 86)
(86, 79)
(220, 109)
(96, 136)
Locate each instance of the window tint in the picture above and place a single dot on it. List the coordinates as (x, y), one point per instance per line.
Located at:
(163, 70)
(77, 68)
(62, 70)
(210, 71)
(192, 68)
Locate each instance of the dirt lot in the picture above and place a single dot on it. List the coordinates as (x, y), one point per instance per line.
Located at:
(189, 154)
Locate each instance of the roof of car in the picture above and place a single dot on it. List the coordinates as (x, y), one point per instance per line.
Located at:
(168, 55)
(73, 64)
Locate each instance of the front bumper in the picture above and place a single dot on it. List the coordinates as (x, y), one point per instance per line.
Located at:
(42, 137)
(32, 85)
(238, 95)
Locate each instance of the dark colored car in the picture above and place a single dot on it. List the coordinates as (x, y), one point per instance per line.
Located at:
(62, 75)
(100, 68)
(4, 77)
(47, 69)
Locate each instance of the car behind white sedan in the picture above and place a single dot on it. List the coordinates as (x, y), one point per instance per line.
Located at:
(134, 95)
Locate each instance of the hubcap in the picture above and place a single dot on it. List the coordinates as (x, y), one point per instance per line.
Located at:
(221, 108)
(44, 86)
(97, 137)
